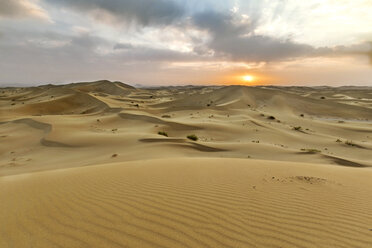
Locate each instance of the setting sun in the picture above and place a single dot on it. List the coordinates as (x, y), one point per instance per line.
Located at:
(248, 78)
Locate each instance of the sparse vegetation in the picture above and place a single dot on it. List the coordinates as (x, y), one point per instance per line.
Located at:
(313, 151)
(192, 137)
(165, 116)
(302, 115)
(322, 97)
(338, 141)
(163, 133)
(299, 128)
(271, 117)
(350, 143)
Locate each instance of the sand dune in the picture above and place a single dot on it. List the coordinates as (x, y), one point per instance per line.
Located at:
(90, 125)
(188, 203)
(103, 164)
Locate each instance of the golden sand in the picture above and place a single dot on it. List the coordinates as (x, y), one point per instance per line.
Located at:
(83, 165)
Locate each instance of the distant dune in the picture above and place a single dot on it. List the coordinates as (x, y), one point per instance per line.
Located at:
(104, 164)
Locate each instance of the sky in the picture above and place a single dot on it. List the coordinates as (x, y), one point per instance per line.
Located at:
(178, 42)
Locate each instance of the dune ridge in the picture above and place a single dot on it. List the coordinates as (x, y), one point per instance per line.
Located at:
(102, 118)
(104, 164)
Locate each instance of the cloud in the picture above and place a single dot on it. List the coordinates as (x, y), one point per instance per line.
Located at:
(364, 49)
(21, 9)
(233, 36)
(123, 46)
(53, 57)
(142, 12)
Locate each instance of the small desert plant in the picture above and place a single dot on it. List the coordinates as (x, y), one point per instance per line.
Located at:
(163, 133)
(322, 97)
(299, 128)
(165, 116)
(302, 115)
(338, 141)
(271, 117)
(349, 143)
(192, 137)
(310, 150)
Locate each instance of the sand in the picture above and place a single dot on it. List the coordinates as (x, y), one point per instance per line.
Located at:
(83, 165)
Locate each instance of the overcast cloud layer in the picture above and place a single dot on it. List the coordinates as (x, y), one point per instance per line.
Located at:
(155, 42)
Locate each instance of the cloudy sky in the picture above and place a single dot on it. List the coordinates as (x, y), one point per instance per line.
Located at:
(162, 42)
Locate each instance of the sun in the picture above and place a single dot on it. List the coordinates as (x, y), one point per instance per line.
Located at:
(248, 78)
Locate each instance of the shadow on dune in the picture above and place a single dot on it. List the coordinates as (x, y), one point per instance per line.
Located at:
(344, 162)
(41, 126)
(156, 120)
(185, 143)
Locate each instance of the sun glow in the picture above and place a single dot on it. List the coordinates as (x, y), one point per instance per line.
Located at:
(248, 78)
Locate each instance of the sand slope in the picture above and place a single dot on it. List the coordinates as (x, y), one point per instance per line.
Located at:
(188, 203)
(83, 165)
(91, 122)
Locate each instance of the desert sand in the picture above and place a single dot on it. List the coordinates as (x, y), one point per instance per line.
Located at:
(83, 165)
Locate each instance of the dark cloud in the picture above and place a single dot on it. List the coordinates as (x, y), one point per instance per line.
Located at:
(11, 8)
(362, 49)
(129, 52)
(21, 9)
(148, 54)
(123, 46)
(53, 57)
(235, 38)
(143, 12)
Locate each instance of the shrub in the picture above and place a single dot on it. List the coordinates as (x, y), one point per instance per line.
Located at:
(165, 116)
(163, 133)
(349, 143)
(271, 117)
(192, 137)
(299, 128)
(311, 150)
